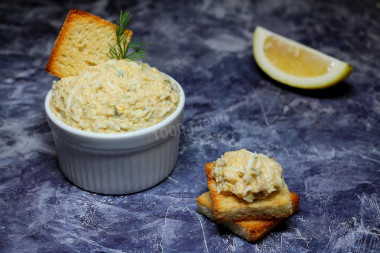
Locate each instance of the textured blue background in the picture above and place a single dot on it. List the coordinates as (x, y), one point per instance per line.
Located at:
(327, 141)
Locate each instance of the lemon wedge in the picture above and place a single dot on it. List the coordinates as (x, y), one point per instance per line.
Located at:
(294, 64)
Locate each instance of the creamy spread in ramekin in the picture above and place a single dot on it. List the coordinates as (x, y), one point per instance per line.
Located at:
(115, 97)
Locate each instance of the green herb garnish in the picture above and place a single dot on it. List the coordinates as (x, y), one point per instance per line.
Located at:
(120, 73)
(120, 51)
(171, 86)
(116, 112)
(256, 171)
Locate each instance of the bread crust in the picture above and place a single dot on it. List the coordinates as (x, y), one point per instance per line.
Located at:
(74, 16)
(251, 230)
(227, 208)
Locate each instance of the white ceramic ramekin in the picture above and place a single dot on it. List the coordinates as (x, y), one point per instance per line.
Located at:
(117, 163)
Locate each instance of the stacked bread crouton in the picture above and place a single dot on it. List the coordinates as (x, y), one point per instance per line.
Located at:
(249, 220)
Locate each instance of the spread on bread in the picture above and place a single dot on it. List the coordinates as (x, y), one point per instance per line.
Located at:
(247, 194)
(247, 175)
(113, 97)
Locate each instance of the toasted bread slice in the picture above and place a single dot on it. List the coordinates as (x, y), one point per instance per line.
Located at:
(250, 230)
(82, 42)
(228, 208)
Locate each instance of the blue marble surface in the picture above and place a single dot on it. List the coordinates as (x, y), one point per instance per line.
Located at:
(327, 141)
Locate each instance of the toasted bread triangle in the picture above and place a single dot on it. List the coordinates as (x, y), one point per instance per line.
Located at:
(253, 229)
(84, 40)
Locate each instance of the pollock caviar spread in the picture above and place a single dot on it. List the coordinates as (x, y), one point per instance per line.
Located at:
(115, 97)
(247, 175)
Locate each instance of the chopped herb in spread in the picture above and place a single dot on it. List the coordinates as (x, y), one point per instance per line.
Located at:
(121, 73)
(170, 84)
(116, 112)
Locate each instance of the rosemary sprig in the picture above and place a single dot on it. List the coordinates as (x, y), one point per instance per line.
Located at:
(120, 50)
